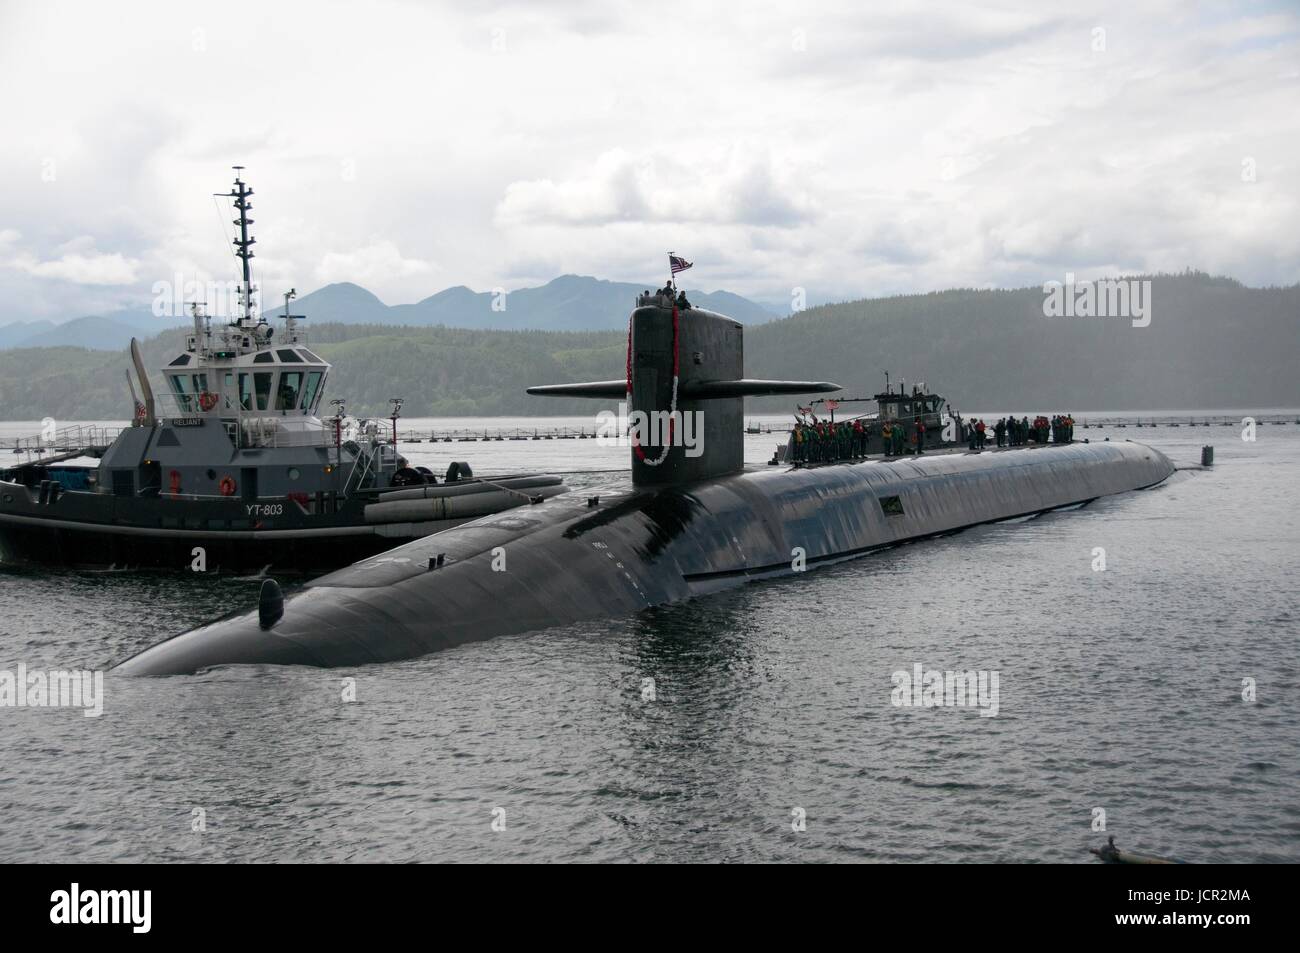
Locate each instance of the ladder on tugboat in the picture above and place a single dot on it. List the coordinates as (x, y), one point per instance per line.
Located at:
(362, 469)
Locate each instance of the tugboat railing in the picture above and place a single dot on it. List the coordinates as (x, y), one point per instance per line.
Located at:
(64, 440)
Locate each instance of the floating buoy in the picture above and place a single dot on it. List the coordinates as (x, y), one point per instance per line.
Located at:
(1207, 456)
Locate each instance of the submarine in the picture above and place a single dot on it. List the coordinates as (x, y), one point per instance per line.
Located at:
(693, 521)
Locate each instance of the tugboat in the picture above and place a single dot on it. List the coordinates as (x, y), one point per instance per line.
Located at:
(232, 469)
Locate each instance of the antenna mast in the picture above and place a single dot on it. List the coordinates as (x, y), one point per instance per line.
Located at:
(241, 193)
(290, 329)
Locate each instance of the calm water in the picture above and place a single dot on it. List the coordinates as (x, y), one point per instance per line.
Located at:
(1119, 690)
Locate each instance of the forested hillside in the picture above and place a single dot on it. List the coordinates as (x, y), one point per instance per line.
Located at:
(1212, 342)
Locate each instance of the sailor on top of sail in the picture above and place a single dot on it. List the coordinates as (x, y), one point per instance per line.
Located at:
(675, 264)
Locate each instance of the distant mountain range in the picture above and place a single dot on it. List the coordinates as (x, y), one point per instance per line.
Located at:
(1211, 343)
(567, 303)
(99, 333)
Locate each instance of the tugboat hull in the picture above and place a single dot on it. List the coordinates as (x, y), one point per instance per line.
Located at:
(87, 530)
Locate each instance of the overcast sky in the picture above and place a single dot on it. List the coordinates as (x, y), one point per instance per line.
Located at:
(850, 149)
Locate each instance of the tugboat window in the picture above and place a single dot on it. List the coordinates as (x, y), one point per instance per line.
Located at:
(892, 505)
(313, 386)
(179, 384)
(228, 390)
(263, 358)
(200, 383)
(245, 392)
(286, 398)
(262, 384)
(289, 356)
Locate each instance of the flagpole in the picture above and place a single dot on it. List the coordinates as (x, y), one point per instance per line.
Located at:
(672, 278)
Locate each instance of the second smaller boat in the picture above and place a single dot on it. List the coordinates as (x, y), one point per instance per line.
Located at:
(232, 465)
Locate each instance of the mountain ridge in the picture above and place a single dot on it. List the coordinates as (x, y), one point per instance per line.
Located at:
(565, 303)
(1212, 342)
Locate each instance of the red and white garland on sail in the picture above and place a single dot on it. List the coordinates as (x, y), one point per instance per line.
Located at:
(672, 407)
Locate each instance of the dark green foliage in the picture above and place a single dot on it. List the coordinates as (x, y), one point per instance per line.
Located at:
(1212, 343)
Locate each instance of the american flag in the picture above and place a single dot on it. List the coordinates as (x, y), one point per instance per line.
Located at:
(677, 263)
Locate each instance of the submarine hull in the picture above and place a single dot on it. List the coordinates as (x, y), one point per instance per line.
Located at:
(571, 559)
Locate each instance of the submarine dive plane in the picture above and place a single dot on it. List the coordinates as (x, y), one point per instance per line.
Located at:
(687, 525)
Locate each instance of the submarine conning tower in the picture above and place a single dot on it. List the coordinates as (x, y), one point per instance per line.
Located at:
(685, 392)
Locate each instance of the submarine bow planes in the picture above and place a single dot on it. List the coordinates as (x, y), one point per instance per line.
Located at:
(692, 522)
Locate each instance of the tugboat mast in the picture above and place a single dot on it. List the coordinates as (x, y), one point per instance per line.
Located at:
(241, 193)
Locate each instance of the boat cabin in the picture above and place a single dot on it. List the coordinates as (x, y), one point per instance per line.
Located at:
(907, 407)
(239, 413)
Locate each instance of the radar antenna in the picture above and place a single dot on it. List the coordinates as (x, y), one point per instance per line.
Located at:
(290, 329)
(243, 246)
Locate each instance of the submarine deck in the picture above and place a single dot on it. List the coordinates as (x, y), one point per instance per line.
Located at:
(951, 451)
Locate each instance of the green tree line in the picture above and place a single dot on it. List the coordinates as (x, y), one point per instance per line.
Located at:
(1211, 342)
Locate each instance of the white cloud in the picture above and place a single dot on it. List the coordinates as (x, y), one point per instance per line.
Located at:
(848, 149)
(78, 262)
(739, 186)
(376, 263)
